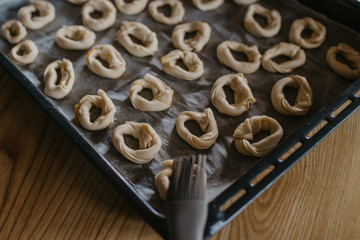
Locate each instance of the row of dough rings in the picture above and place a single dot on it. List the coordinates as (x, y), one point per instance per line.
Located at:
(82, 111)
(46, 14)
(24, 52)
(75, 37)
(162, 94)
(303, 99)
(109, 54)
(245, 2)
(243, 96)
(107, 10)
(162, 178)
(293, 51)
(225, 56)
(196, 43)
(246, 131)
(66, 81)
(315, 40)
(191, 60)
(273, 21)
(351, 55)
(149, 141)
(177, 11)
(140, 31)
(207, 5)
(79, 2)
(207, 124)
(13, 31)
(130, 8)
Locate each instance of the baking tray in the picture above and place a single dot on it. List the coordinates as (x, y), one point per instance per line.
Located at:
(234, 180)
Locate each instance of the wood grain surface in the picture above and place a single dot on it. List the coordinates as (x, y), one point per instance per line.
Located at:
(49, 190)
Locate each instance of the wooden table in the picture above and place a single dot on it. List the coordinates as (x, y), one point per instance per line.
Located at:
(49, 190)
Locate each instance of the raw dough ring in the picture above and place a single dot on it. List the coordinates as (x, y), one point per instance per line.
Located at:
(66, 82)
(207, 5)
(293, 51)
(141, 32)
(162, 179)
(317, 36)
(75, 37)
(130, 8)
(351, 55)
(207, 124)
(273, 21)
(78, 2)
(108, 53)
(13, 31)
(303, 99)
(46, 14)
(149, 141)
(191, 60)
(195, 43)
(245, 132)
(177, 11)
(225, 56)
(242, 94)
(107, 19)
(162, 94)
(245, 2)
(30, 52)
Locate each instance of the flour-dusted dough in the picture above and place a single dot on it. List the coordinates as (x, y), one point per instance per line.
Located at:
(131, 8)
(207, 5)
(46, 14)
(107, 10)
(75, 37)
(30, 52)
(315, 40)
(13, 31)
(162, 179)
(177, 11)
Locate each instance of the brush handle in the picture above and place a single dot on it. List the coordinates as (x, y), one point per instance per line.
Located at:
(186, 219)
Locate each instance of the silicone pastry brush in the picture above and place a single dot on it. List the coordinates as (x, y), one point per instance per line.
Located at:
(186, 208)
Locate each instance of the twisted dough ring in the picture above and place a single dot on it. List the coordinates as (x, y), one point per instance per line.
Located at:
(82, 111)
(317, 37)
(293, 51)
(130, 8)
(191, 60)
(207, 124)
(177, 11)
(46, 14)
(13, 31)
(245, 132)
(78, 2)
(140, 31)
(351, 55)
(303, 99)
(273, 21)
(162, 179)
(195, 43)
(245, 2)
(162, 94)
(242, 94)
(75, 37)
(66, 82)
(107, 19)
(207, 5)
(149, 141)
(108, 53)
(30, 52)
(225, 56)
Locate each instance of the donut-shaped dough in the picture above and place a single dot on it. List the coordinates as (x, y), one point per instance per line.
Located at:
(109, 54)
(225, 56)
(273, 21)
(207, 5)
(191, 60)
(162, 179)
(149, 141)
(352, 56)
(245, 2)
(177, 11)
(243, 96)
(207, 124)
(317, 36)
(293, 51)
(140, 31)
(196, 43)
(24, 52)
(13, 31)
(82, 111)
(246, 131)
(107, 10)
(303, 99)
(46, 14)
(77, 2)
(63, 87)
(162, 94)
(130, 8)
(75, 37)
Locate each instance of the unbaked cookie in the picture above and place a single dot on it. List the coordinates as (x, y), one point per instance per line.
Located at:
(13, 31)
(108, 14)
(75, 37)
(177, 11)
(46, 14)
(130, 8)
(24, 52)
(317, 36)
